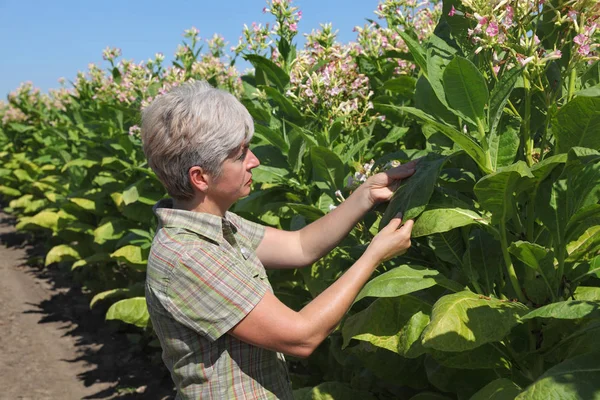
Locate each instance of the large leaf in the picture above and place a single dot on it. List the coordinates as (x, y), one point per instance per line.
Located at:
(274, 138)
(405, 279)
(285, 105)
(416, 50)
(394, 323)
(463, 141)
(504, 144)
(482, 357)
(328, 168)
(569, 309)
(573, 379)
(414, 193)
(439, 55)
(62, 252)
(445, 219)
(495, 191)
(578, 124)
(132, 311)
(466, 90)
(273, 72)
(500, 389)
(499, 97)
(482, 260)
(43, 219)
(539, 259)
(465, 320)
(135, 256)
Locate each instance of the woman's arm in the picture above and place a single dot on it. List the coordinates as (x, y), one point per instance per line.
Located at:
(284, 249)
(274, 326)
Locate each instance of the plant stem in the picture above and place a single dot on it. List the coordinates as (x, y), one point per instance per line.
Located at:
(572, 78)
(528, 139)
(561, 267)
(512, 274)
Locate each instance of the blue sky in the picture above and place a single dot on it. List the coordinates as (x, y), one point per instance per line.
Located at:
(41, 41)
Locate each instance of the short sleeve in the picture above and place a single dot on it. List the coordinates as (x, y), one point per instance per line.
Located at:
(211, 293)
(251, 231)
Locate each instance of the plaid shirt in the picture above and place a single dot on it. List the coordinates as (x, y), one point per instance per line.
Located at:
(203, 277)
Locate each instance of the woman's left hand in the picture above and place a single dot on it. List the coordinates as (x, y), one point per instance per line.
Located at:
(380, 187)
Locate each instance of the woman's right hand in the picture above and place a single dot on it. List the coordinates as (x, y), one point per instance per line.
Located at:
(391, 241)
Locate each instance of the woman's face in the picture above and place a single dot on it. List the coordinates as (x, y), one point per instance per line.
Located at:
(236, 176)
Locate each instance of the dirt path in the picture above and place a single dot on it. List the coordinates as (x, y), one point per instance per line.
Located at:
(52, 346)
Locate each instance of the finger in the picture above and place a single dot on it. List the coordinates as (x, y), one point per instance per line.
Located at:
(407, 227)
(394, 222)
(400, 172)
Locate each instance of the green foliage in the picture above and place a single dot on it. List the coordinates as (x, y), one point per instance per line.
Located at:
(498, 296)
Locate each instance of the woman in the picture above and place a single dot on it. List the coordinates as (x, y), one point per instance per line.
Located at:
(221, 328)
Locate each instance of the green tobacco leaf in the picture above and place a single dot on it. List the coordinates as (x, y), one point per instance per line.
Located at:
(482, 260)
(466, 90)
(483, 357)
(274, 138)
(586, 245)
(285, 105)
(500, 95)
(416, 50)
(109, 294)
(500, 389)
(504, 144)
(79, 163)
(8, 191)
(427, 101)
(582, 220)
(439, 55)
(130, 195)
(405, 279)
(463, 141)
(275, 74)
(394, 323)
(495, 191)
(86, 204)
(578, 124)
(445, 219)
(135, 256)
(448, 246)
(538, 258)
(412, 196)
(132, 311)
(267, 174)
(332, 391)
(465, 320)
(43, 219)
(463, 382)
(62, 252)
(97, 258)
(110, 230)
(404, 85)
(574, 379)
(587, 293)
(328, 168)
(569, 309)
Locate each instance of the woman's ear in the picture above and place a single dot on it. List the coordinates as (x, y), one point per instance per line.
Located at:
(199, 179)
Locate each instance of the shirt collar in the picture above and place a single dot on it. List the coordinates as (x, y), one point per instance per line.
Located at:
(208, 225)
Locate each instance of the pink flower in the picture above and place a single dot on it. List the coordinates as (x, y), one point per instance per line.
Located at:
(584, 50)
(492, 29)
(452, 12)
(294, 27)
(580, 39)
(572, 14)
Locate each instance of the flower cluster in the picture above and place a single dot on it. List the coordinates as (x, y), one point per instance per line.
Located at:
(504, 27)
(254, 40)
(111, 54)
(335, 90)
(286, 17)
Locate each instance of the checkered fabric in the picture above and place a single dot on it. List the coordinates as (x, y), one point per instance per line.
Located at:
(203, 277)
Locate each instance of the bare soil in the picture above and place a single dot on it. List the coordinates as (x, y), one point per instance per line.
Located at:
(52, 346)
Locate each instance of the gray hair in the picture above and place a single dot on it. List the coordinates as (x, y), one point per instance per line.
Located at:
(193, 124)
